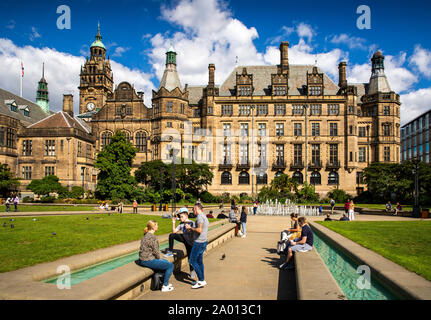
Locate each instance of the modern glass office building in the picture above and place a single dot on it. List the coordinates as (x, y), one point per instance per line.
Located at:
(415, 138)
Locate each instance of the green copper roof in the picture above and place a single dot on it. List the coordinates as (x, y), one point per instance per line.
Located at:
(98, 42)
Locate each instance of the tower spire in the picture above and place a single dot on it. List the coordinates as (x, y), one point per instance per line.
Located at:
(42, 92)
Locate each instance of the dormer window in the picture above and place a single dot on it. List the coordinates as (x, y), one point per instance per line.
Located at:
(244, 91)
(12, 105)
(279, 90)
(25, 110)
(314, 90)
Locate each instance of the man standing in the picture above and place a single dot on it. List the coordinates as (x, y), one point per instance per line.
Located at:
(135, 206)
(8, 203)
(199, 246)
(16, 202)
(332, 205)
(255, 208)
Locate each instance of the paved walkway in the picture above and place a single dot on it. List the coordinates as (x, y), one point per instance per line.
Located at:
(250, 269)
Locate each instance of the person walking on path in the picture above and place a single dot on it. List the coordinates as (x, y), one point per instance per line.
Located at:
(135, 206)
(243, 221)
(199, 246)
(255, 208)
(332, 202)
(181, 234)
(346, 206)
(8, 203)
(16, 202)
(351, 211)
(149, 255)
(120, 207)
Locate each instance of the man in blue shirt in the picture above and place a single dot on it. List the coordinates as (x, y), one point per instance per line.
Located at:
(303, 245)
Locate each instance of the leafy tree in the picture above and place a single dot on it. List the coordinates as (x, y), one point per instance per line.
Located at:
(77, 192)
(45, 186)
(190, 178)
(339, 195)
(8, 183)
(115, 163)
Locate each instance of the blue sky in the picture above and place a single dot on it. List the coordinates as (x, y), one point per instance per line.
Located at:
(215, 31)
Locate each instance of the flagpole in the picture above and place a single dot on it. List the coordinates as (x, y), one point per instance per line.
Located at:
(20, 82)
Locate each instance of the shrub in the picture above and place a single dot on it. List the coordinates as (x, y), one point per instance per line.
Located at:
(207, 197)
(339, 195)
(47, 199)
(28, 199)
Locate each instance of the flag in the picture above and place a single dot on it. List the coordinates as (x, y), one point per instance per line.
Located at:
(22, 67)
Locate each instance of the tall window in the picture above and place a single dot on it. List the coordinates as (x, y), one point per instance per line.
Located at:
(49, 147)
(226, 178)
(49, 171)
(362, 131)
(316, 178)
(333, 109)
(333, 153)
(333, 178)
(141, 141)
(182, 108)
(244, 129)
(362, 154)
(26, 173)
(315, 129)
(297, 109)
(297, 154)
(244, 91)
(359, 177)
(226, 129)
(333, 129)
(280, 109)
(226, 154)
(106, 139)
(262, 129)
(315, 153)
(243, 153)
(262, 110)
(80, 153)
(262, 154)
(244, 110)
(280, 154)
(27, 148)
(2, 132)
(262, 178)
(316, 109)
(170, 107)
(279, 129)
(226, 110)
(386, 111)
(298, 177)
(10, 138)
(297, 129)
(244, 178)
(279, 91)
(386, 129)
(387, 154)
(315, 91)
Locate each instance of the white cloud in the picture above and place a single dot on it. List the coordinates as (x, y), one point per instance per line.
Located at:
(350, 41)
(34, 34)
(119, 51)
(305, 31)
(414, 104)
(61, 72)
(421, 59)
(400, 78)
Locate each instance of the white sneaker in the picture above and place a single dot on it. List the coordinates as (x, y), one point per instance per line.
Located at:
(199, 284)
(167, 288)
(243, 236)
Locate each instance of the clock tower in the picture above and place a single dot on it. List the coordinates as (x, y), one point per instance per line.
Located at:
(96, 78)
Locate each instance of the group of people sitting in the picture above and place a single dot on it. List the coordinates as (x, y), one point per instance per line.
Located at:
(299, 238)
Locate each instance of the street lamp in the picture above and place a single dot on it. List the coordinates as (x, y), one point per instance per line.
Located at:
(416, 207)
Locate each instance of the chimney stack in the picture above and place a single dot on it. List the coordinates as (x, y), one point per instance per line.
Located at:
(211, 69)
(284, 55)
(342, 75)
(68, 104)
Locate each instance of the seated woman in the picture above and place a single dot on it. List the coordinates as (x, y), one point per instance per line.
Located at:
(234, 218)
(303, 245)
(294, 232)
(149, 255)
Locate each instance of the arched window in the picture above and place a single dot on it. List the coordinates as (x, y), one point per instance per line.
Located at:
(262, 178)
(315, 178)
(298, 177)
(128, 136)
(244, 178)
(333, 178)
(226, 178)
(105, 139)
(141, 141)
(278, 174)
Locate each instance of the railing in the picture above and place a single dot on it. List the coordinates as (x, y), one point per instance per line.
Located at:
(226, 164)
(315, 165)
(297, 165)
(333, 165)
(279, 164)
(243, 165)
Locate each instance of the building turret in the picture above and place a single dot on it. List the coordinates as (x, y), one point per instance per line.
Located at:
(42, 92)
(170, 79)
(378, 81)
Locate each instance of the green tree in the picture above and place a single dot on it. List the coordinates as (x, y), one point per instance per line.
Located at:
(45, 186)
(115, 164)
(8, 183)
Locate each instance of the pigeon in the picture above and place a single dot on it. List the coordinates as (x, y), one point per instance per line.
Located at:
(4, 224)
(87, 219)
(12, 226)
(12, 220)
(54, 234)
(223, 257)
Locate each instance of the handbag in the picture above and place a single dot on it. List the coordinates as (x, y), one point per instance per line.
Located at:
(157, 283)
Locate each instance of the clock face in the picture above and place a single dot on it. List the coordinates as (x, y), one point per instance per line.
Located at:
(90, 106)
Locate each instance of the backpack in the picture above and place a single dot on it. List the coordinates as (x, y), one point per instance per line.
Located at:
(157, 283)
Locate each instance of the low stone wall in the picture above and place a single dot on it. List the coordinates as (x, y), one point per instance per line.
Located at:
(124, 282)
(313, 279)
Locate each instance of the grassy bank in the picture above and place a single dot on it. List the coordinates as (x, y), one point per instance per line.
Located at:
(42, 208)
(406, 243)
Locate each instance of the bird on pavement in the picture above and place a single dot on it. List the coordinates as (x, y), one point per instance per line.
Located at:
(223, 257)
(54, 234)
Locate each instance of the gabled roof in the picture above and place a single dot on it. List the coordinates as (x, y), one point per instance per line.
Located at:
(61, 120)
(7, 98)
(262, 80)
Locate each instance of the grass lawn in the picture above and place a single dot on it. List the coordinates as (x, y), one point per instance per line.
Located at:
(31, 242)
(42, 208)
(406, 243)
